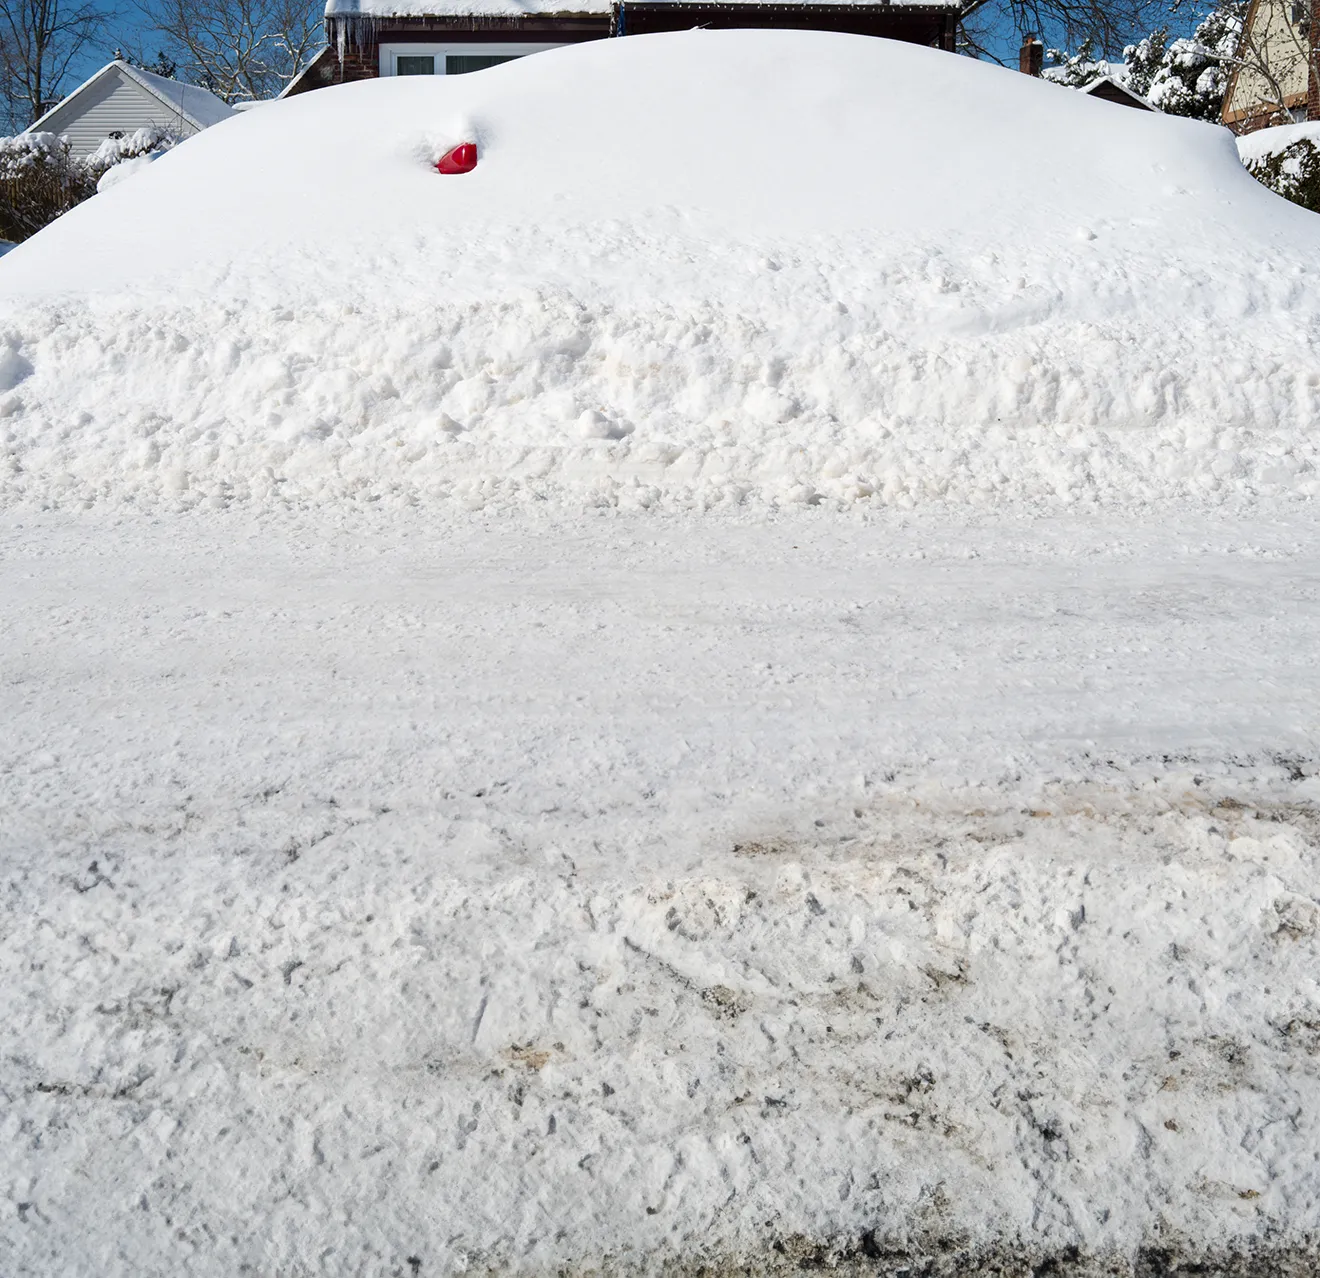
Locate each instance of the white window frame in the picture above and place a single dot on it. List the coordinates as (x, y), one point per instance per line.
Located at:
(388, 52)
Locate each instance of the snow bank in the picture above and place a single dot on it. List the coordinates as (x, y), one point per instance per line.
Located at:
(125, 169)
(1266, 142)
(697, 269)
(119, 158)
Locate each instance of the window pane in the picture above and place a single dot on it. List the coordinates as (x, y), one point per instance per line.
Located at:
(414, 64)
(462, 63)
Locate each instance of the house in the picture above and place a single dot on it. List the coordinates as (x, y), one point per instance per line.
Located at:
(1106, 88)
(1100, 82)
(370, 38)
(120, 99)
(1276, 79)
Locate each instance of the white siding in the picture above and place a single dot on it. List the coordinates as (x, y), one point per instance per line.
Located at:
(114, 103)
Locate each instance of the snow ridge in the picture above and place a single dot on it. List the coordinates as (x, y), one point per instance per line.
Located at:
(1002, 392)
(747, 286)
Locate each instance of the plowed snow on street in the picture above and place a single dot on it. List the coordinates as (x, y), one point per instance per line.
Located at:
(626, 891)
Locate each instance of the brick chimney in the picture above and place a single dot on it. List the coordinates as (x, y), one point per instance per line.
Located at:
(1031, 57)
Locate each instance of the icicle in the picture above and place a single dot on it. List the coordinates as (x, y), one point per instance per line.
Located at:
(352, 31)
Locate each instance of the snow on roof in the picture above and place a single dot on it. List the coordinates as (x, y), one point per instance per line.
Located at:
(308, 68)
(196, 105)
(1071, 71)
(1115, 83)
(744, 278)
(199, 105)
(541, 8)
(462, 8)
(799, 4)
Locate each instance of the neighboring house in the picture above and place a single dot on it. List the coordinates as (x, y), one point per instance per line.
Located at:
(120, 98)
(1108, 89)
(1278, 83)
(370, 38)
(323, 69)
(1103, 80)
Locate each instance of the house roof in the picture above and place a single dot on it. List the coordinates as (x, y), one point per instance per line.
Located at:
(1074, 73)
(199, 105)
(1107, 86)
(375, 9)
(465, 8)
(308, 73)
(195, 105)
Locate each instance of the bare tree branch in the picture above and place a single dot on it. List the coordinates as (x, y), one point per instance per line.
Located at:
(241, 50)
(1273, 50)
(39, 42)
(1108, 24)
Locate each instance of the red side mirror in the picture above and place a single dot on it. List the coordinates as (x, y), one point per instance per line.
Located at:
(458, 159)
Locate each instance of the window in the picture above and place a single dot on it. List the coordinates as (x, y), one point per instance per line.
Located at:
(462, 63)
(414, 64)
(450, 59)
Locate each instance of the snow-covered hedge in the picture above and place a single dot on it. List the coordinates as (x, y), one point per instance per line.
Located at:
(151, 141)
(1287, 160)
(40, 178)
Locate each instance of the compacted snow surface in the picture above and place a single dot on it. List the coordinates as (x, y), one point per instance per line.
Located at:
(625, 891)
(732, 691)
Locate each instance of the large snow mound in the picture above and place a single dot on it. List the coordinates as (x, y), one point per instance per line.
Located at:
(1266, 142)
(701, 268)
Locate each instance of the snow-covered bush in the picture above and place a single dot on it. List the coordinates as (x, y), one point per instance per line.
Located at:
(1076, 70)
(39, 180)
(1188, 77)
(1144, 59)
(150, 141)
(1293, 172)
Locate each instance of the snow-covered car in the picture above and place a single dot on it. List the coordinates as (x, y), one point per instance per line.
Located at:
(713, 267)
